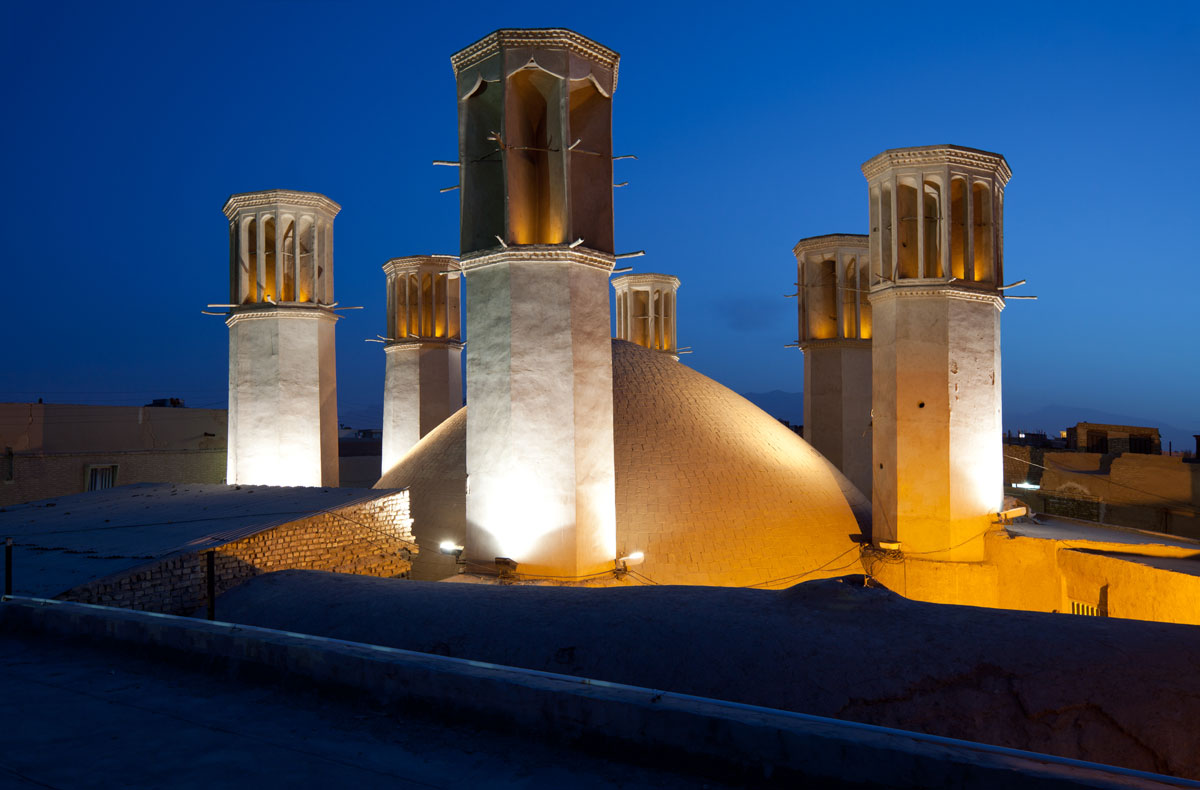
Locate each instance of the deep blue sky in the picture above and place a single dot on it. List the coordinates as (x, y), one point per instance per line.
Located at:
(128, 124)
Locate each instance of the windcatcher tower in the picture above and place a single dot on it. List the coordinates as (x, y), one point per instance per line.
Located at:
(936, 267)
(835, 336)
(423, 383)
(646, 310)
(535, 161)
(282, 372)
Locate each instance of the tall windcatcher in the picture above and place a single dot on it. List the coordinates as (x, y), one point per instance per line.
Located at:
(535, 162)
(282, 371)
(936, 254)
(423, 382)
(645, 305)
(832, 278)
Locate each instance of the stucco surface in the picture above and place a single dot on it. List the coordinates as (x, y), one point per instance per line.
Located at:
(1112, 691)
(712, 489)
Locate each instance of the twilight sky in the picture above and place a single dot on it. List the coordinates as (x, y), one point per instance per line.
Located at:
(128, 124)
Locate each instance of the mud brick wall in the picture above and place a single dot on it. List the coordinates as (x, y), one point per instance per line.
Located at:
(372, 538)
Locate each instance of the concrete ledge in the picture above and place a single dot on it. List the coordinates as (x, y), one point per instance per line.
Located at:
(746, 740)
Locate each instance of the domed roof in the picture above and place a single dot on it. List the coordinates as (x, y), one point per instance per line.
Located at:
(710, 488)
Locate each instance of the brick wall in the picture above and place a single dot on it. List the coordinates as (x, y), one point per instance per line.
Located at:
(373, 538)
(36, 475)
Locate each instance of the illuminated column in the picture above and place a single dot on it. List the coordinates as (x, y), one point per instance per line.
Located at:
(646, 310)
(535, 153)
(835, 336)
(282, 371)
(936, 266)
(423, 383)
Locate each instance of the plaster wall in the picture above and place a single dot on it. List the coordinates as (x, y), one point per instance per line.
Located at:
(282, 398)
(1041, 575)
(540, 480)
(422, 387)
(937, 438)
(837, 406)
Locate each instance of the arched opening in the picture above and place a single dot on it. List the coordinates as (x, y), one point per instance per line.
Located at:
(906, 249)
(850, 302)
(251, 292)
(270, 285)
(640, 325)
(981, 206)
(932, 220)
(536, 180)
(669, 321)
(288, 249)
(427, 305)
(306, 281)
(481, 173)
(591, 206)
(958, 228)
(439, 300)
(414, 305)
(821, 293)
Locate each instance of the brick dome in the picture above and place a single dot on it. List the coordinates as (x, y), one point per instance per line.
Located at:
(711, 488)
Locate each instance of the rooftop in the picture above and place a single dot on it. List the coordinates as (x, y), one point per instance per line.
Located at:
(66, 541)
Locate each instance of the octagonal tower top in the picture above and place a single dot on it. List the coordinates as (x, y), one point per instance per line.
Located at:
(535, 141)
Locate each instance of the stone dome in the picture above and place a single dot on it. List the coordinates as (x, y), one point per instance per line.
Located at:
(711, 488)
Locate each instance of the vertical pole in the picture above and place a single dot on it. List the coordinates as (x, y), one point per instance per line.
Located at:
(211, 580)
(8, 566)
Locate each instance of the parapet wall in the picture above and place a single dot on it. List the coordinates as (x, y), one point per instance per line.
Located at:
(371, 538)
(758, 745)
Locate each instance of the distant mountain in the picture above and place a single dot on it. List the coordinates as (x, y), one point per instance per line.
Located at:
(779, 404)
(1057, 417)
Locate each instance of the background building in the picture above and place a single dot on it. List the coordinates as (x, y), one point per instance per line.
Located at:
(55, 449)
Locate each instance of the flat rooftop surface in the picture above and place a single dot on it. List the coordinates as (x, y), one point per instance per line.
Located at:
(97, 718)
(1024, 680)
(66, 541)
(1052, 528)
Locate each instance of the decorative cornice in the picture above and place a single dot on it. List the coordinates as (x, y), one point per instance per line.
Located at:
(834, 342)
(546, 38)
(413, 262)
(938, 156)
(255, 313)
(645, 278)
(538, 253)
(927, 289)
(278, 197)
(403, 344)
(831, 240)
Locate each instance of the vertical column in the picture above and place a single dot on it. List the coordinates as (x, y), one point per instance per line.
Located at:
(894, 253)
(875, 210)
(839, 285)
(858, 292)
(279, 265)
(969, 229)
(921, 225)
(328, 263)
(944, 229)
(244, 284)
